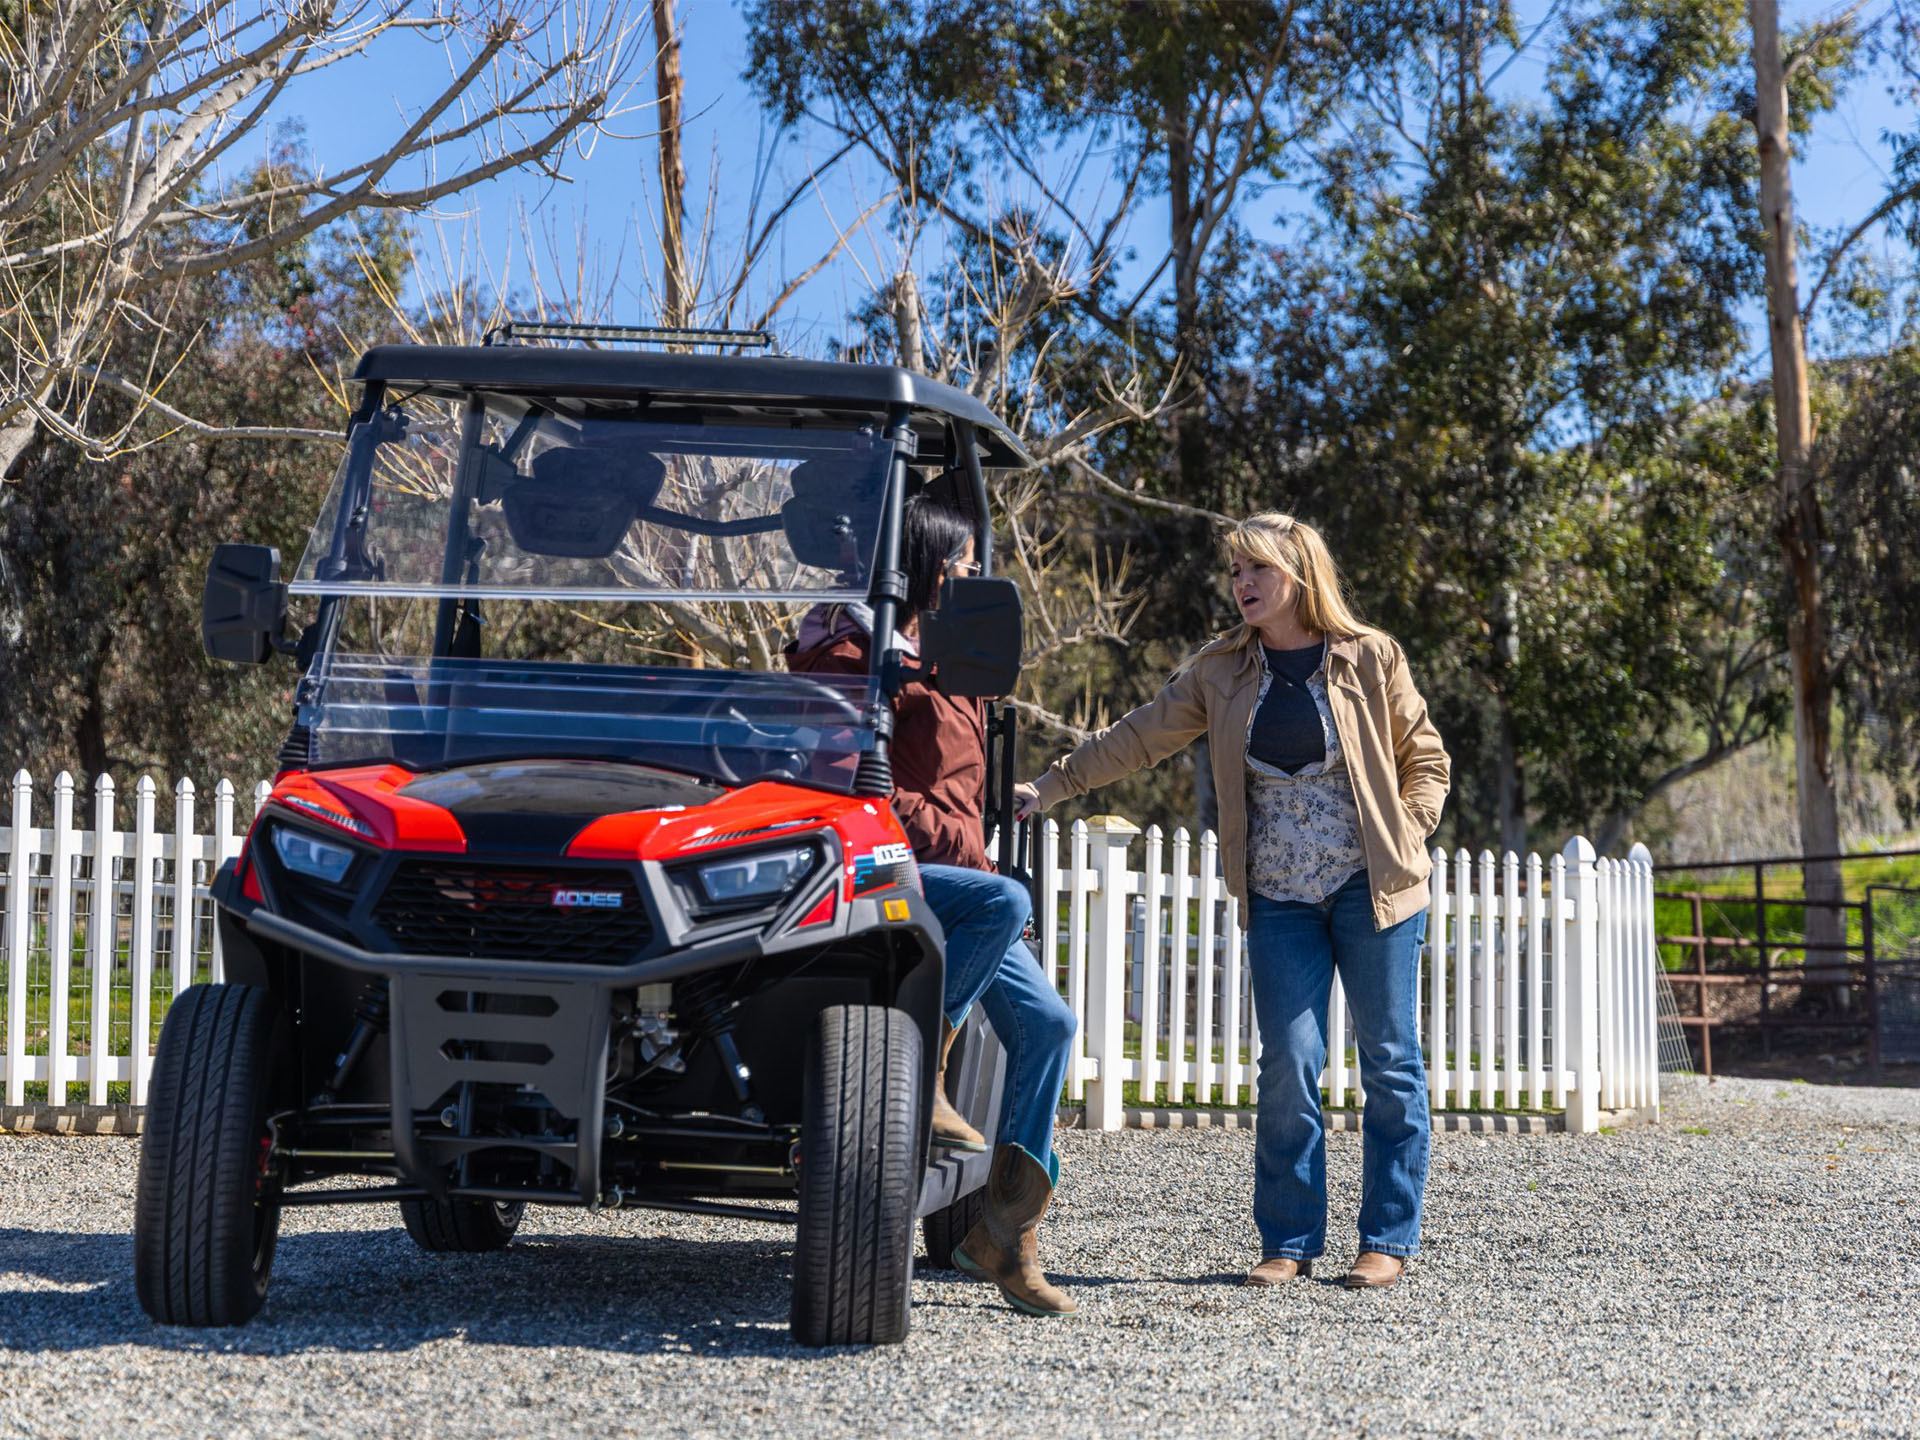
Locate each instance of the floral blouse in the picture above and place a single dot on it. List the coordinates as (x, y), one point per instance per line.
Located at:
(1303, 830)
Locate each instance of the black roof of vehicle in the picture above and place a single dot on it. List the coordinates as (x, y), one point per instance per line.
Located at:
(745, 382)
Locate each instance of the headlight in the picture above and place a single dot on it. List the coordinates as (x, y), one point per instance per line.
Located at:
(306, 854)
(753, 879)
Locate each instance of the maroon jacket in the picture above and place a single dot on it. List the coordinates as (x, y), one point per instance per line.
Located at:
(939, 751)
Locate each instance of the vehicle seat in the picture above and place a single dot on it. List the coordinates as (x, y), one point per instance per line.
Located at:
(581, 500)
(833, 518)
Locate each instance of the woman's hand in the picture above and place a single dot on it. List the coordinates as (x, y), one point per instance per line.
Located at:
(1026, 801)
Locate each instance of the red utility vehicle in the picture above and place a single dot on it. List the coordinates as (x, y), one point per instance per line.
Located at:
(525, 922)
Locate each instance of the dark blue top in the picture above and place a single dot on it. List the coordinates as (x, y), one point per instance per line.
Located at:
(1286, 731)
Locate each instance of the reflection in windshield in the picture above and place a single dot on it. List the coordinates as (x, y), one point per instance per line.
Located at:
(731, 726)
(587, 500)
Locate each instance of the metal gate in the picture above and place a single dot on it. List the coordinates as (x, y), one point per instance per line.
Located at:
(1893, 920)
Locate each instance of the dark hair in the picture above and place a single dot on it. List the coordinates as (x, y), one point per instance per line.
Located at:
(930, 533)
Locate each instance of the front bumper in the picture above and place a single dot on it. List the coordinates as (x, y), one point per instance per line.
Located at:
(547, 1025)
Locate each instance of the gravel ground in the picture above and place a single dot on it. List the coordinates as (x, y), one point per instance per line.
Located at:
(1749, 1266)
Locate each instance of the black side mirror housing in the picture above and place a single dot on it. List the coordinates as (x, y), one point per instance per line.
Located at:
(976, 637)
(243, 610)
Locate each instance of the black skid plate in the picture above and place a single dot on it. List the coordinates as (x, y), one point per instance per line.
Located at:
(548, 1036)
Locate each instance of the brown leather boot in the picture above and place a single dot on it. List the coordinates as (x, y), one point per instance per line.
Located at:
(1373, 1271)
(1002, 1247)
(1278, 1270)
(950, 1127)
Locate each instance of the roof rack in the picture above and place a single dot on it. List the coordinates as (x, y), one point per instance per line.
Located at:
(513, 331)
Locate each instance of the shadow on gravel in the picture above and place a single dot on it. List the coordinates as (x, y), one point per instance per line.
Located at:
(374, 1291)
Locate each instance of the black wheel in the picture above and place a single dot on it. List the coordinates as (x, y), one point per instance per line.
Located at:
(203, 1236)
(461, 1226)
(947, 1227)
(860, 1171)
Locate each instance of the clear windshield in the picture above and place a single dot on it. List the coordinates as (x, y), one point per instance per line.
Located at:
(729, 725)
(568, 498)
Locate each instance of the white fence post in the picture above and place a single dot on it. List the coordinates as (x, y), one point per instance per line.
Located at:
(1204, 965)
(1510, 976)
(1077, 878)
(103, 940)
(1645, 928)
(1463, 980)
(1154, 886)
(186, 853)
(19, 935)
(1437, 910)
(1485, 1002)
(1177, 969)
(1336, 1076)
(1108, 837)
(1230, 1007)
(1582, 1001)
(1536, 976)
(60, 939)
(146, 846)
(226, 845)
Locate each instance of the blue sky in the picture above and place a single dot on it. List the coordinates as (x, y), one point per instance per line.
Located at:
(604, 209)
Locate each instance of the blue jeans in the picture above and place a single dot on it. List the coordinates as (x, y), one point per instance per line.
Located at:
(1293, 950)
(987, 961)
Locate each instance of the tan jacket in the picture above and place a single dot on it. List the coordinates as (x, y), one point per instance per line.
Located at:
(1394, 756)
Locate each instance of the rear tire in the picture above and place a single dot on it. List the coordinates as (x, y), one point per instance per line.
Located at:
(203, 1236)
(860, 1171)
(947, 1227)
(465, 1227)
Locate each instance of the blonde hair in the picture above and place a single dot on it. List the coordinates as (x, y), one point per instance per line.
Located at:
(1296, 549)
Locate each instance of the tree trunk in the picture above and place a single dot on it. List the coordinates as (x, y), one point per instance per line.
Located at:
(1511, 786)
(675, 286)
(15, 436)
(90, 730)
(1799, 526)
(905, 300)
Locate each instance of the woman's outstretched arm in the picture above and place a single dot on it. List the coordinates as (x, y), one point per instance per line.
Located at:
(1142, 737)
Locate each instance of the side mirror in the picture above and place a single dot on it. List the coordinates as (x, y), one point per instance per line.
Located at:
(243, 610)
(976, 636)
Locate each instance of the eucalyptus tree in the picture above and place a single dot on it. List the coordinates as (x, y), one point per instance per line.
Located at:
(1540, 292)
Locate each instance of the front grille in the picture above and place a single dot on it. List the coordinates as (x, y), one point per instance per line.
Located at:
(505, 912)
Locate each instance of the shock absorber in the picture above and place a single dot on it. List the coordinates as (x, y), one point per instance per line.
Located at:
(702, 1005)
(370, 1013)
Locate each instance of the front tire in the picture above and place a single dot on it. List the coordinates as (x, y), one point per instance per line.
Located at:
(860, 1171)
(462, 1227)
(203, 1228)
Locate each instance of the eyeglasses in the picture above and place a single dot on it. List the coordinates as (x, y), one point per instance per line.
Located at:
(963, 569)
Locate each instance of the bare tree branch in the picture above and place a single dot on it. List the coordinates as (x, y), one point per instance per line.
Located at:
(146, 399)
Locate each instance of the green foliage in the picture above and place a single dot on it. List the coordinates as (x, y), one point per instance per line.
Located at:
(1869, 460)
(1539, 294)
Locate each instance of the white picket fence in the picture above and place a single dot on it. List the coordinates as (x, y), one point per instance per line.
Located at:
(1537, 980)
(1538, 983)
(70, 981)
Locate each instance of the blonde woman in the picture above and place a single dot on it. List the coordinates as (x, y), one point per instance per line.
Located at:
(1330, 778)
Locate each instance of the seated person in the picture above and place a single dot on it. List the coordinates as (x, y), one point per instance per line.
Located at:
(939, 772)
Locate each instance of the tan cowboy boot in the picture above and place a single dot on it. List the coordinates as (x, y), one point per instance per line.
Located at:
(1373, 1271)
(1278, 1271)
(1002, 1247)
(950, 1127)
